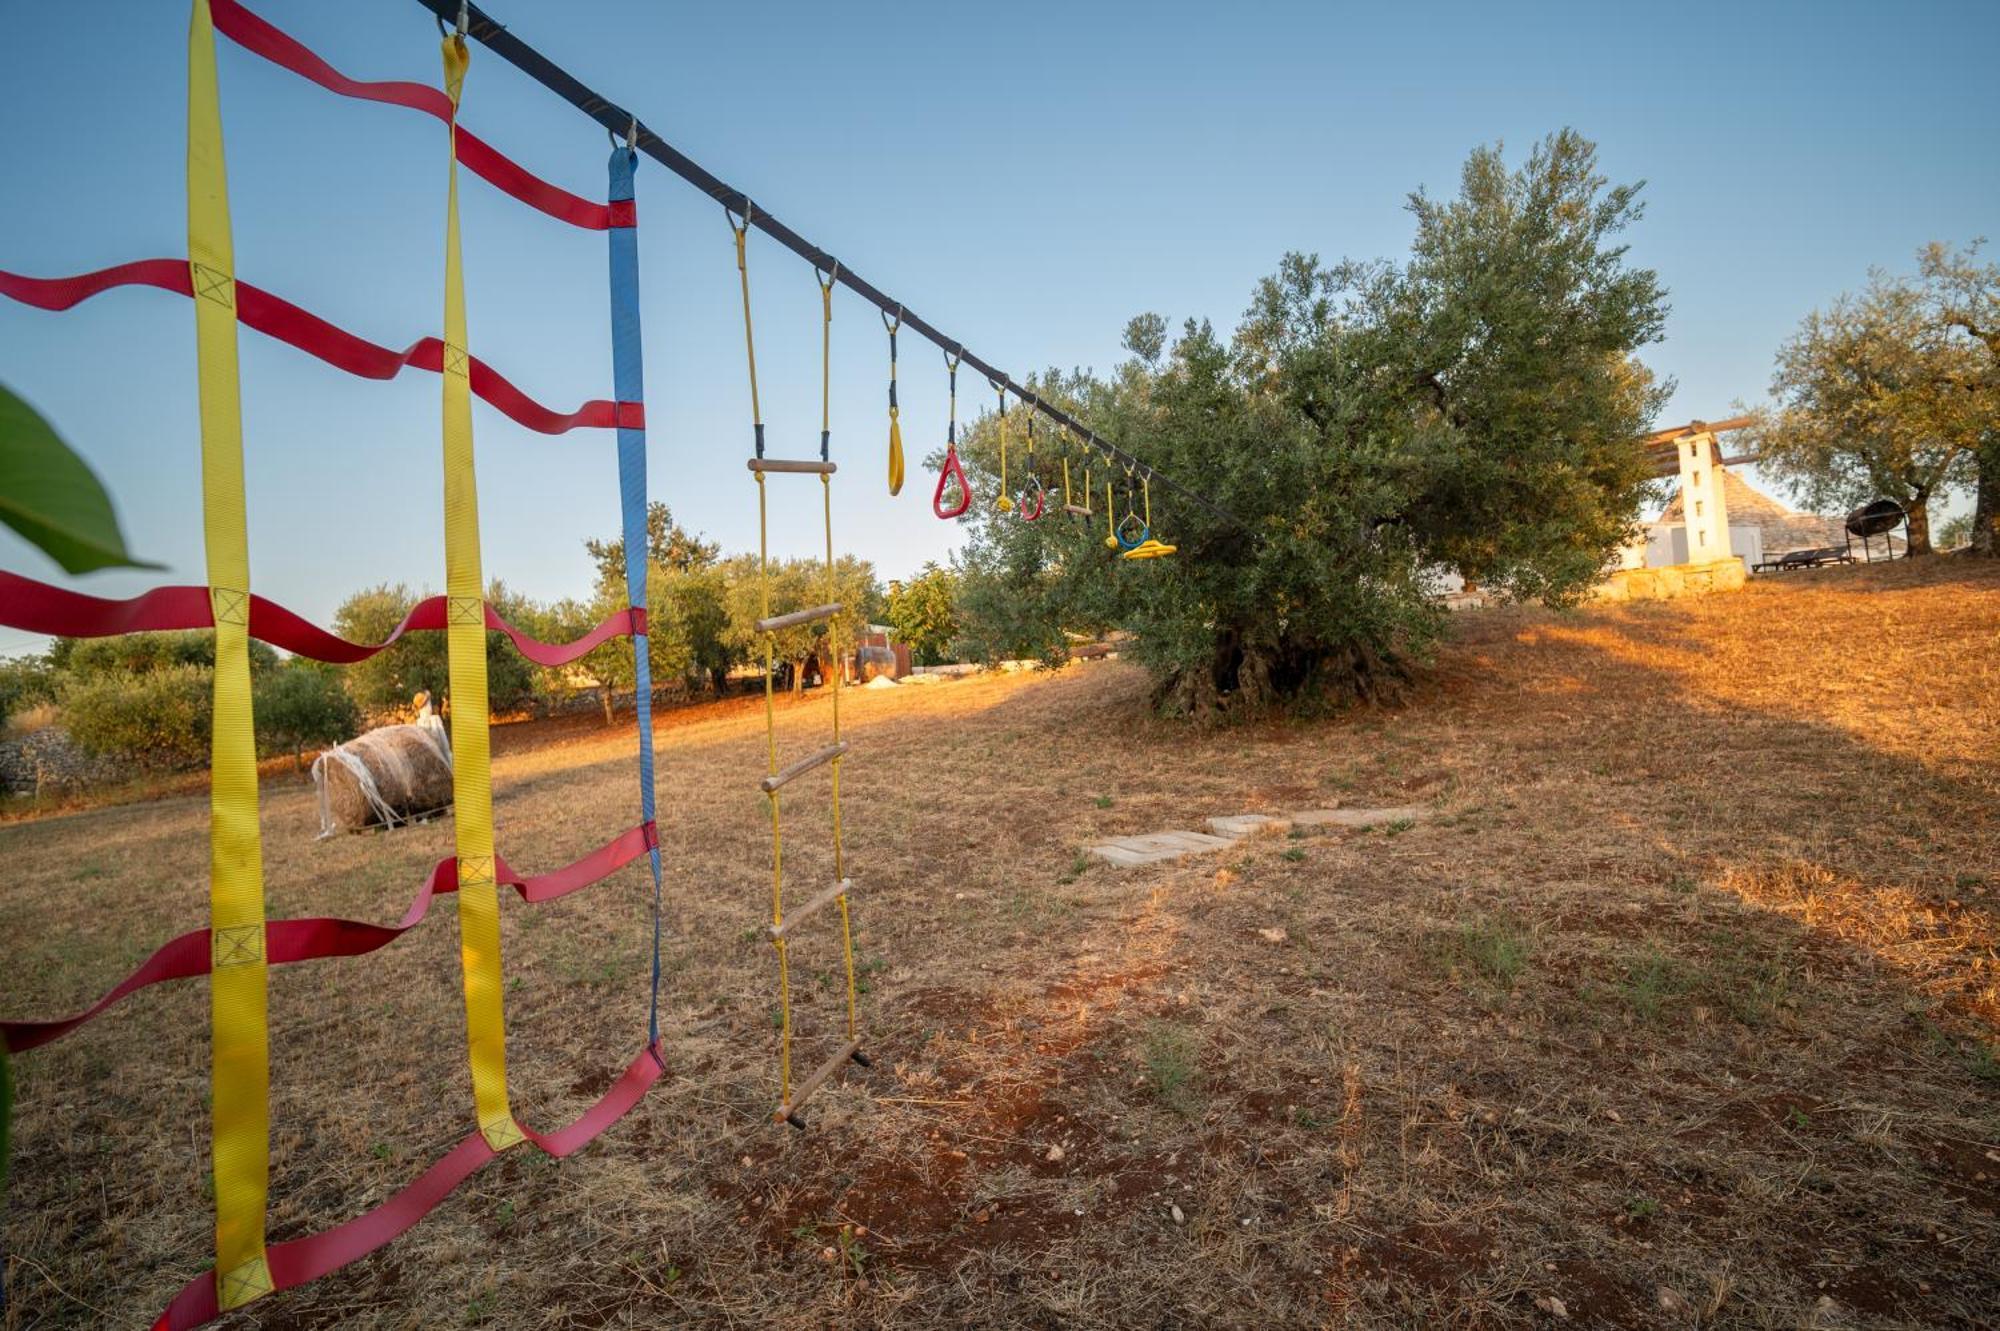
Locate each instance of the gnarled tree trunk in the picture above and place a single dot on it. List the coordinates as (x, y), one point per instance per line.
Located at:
(1986, 507)
(1919, 513)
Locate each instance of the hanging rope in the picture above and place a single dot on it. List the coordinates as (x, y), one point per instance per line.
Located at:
(508, 45)
(1131, 531)
(793, 1093)
(952, 471)
(742, 234)
(1148, 547)
(1005, 502)
(1033, 488)
(895, 426)
(826, 359)
(1084, 509)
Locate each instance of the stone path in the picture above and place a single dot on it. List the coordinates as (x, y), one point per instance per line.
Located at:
(1129, 851)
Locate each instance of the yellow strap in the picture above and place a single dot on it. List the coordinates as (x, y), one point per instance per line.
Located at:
(240, 1051)
(465, 641)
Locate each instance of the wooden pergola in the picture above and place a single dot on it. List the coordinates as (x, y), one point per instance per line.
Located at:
(1664, 447)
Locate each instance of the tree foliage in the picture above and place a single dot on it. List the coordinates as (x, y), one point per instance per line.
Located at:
(668, 545)
(1881, 395)
(25, 682)
(924, 613)
(385, 683)
(693, 607)
(1966, 294)
(797, 584)
(156, 720)
(141, 653)
(1473, 408)
(302, 705)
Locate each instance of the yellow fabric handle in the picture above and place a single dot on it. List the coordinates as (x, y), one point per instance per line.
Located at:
(465, 639)
(895, 454)
(240, 1048)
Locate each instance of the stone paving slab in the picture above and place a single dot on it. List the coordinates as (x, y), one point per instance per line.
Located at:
(1359, 817)
(1236, 825)
(1153, 848)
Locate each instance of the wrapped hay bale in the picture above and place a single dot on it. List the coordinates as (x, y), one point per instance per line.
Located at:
(390, 775)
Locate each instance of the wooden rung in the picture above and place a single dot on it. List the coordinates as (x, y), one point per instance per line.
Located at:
(794, 465)
(788, 1112)
(802, 766)
(810, 909)
(1080, 512)
(776, 622)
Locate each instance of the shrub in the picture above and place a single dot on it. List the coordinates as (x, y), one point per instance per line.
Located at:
(157, 719)
(139, 653)
(25, 682)
(302, 705)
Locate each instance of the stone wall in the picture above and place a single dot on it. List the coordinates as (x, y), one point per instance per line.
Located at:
(1661, 584)
(48, 759)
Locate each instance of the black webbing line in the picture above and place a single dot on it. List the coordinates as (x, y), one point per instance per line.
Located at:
(486, 30)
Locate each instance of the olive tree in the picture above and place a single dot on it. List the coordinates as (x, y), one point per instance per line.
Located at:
(1367, 425)
(1880, 395)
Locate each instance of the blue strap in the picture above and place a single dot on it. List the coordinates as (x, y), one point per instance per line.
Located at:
(628, 385)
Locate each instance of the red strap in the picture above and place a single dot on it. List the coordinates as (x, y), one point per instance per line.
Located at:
(297, 1261)
(277, 317)
(288, 941)
(257, 36)
(950, 469)
(60, 293)
(40, 608)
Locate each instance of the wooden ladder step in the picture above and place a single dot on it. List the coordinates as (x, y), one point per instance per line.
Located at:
(795, 465)
(788, 1112)
(798, 769)
(796, 617)
(810, 909)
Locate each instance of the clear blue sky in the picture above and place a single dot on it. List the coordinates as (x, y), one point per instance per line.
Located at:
(1027, 177)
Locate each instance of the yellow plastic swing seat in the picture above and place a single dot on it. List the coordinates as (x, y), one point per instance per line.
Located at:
(1149, 549)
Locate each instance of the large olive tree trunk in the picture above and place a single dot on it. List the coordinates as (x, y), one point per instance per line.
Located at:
(1240, 680)
(1919, 513)
(1986, 507)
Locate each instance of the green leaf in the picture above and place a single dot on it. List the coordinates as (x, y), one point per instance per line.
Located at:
(51, 498)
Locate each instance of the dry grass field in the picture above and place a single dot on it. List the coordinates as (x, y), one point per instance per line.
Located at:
(1679, 1010)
